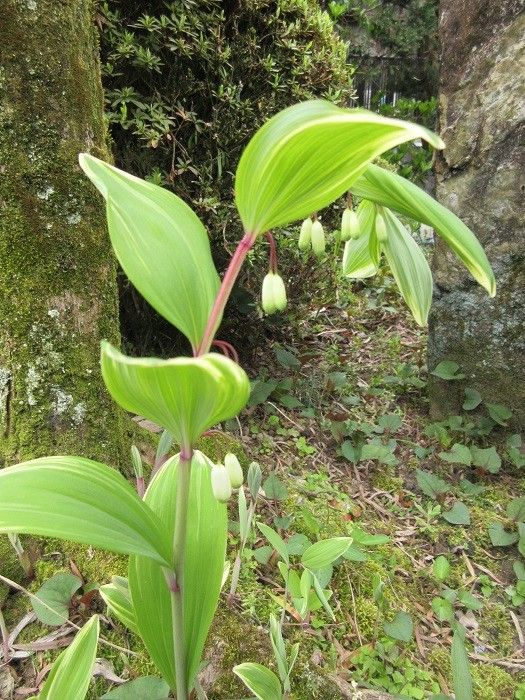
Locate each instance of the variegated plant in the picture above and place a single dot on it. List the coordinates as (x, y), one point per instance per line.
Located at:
(300, 161)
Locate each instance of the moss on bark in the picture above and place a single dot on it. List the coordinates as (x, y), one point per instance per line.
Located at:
(58, 294)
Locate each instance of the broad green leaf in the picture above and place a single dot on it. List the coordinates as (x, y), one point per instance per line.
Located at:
(274, 489)
(203, 570)
(71, 672)
(500, 414)
(442, 609)
(52, 600)
(458, 454)
(161, 244)
(117, 597)
(401, 627)
(322, 597)
(469, 601)
(486, 458)
(409, 267)
(361, 255)
(461, 678)
(276, 541)
(395, 192)
(472, 399)
(325, 552)
(76, 499)
(516, 509)
(431, 485)
(366, 539)
(306, 156)
(501, 537)
(262, 682)
(448, 370)
(148, 687)
(185, 395)
(458, 514)
(441, 568)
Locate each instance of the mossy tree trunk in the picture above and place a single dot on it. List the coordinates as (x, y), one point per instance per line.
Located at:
(58, 294)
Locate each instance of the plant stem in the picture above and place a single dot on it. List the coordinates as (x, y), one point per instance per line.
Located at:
(23, 556)
(176, 581)
(224, 292)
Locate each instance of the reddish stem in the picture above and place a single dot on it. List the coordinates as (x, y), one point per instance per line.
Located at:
(224, 292)
(227, 349)
(273, 252)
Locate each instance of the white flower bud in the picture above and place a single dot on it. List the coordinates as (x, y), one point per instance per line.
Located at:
(279, 293)
(306, 234)
(349, 225)
(220, 483)
(318, 240)
(267, 295)
(234, 470)
(380, 226)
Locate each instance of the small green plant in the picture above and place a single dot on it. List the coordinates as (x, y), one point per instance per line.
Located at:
(175, 536)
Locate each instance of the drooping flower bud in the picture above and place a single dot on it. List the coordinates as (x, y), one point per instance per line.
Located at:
(306, 234)
(234, 470)
(267, 296)
(279, 292)
(380, 226)
(349, 225)
(220, 483)
(318, 240)
(273, 293)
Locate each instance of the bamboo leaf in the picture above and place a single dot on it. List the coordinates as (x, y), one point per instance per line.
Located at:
(185, 395)
(393, 191)
(325, 552)
(461, 678)
(203, 570)
(117, 597)
(71, 672)
(76, 499)
(276, 541)
(409, 267)
(161, 244)
(306, 156)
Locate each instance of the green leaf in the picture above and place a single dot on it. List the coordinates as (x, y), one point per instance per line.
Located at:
(306, 156)
(441, 568)
(71, 672)
(286, 358)
(448, 370)
(409, 267)
(262, 682)
(148, 687)
(488, 459)
(499, 414)
(161, 244)
(361, 255)
(274, 489)
(203, 570)
(322, 597)
(382, 453)
(458, 514)
(325, 552)
(461, 678)
(431, 485)
(275, 540)
(470, 489)
(458, 454)
(117, 597)
(442, 609)
(472, 399)
(516, 509)
(401, 627)
(467, 600)
(393, 191)
(52, 600)
(500, 537)
(185, 395)
(76, 499)
(353, 553)
(366, 539)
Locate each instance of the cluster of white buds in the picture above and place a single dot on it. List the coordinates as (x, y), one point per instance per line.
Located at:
(226, 477)
(312, 236)
(273, 297)
(349, 225)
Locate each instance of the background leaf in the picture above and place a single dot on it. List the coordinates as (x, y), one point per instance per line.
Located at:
(161, 244)
(461, 678)
(262, 682)
(76, 499)
(55, 593)
(458, 514)
(401, 627)
(361, 255)
(306, 156)
(148, 687)
(325, 552)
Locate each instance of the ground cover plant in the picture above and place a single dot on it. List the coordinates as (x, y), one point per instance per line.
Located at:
(175, 532)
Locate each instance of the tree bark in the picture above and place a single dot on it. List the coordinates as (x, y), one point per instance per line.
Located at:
(58, 293)
(480, 177)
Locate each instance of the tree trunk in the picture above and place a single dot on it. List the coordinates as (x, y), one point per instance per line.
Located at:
(58, 294)
(480, 177)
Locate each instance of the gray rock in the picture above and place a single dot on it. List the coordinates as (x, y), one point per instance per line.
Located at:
(480, 176)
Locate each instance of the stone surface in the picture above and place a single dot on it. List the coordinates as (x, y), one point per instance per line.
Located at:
(480, 176)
